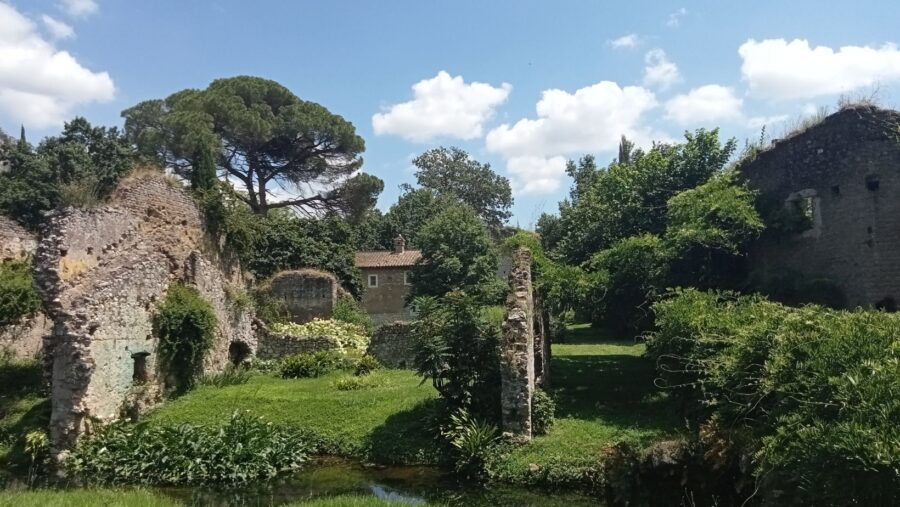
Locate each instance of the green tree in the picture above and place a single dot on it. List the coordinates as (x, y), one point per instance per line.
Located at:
(408, 216)
(263, 136)
(457, 254)
(452, 172)
(204, 177)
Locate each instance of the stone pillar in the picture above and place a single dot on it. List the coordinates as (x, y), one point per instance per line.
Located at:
(541, 343)
(517, 352)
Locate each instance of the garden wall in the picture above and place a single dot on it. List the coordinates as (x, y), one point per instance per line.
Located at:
(101, 273)
(392, 345)
(273, 346)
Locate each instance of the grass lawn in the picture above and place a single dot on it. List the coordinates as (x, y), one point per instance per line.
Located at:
(605, 394)
(386, 423)
(24, 407)
(144, 498)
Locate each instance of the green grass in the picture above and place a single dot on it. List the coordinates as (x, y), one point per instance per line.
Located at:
(144, 498)
(386, 423)
(605, 394)
(23, 407)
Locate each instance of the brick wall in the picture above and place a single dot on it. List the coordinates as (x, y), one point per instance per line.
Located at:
(856, 238)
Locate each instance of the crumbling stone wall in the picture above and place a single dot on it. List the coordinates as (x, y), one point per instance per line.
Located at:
(272, 345)
(101, 273)
(392, 345)
(22, 339)
(308, 293)
(517, 351)
(846, 169)
(15, 242)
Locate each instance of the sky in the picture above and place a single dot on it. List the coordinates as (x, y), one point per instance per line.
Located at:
(523, 85)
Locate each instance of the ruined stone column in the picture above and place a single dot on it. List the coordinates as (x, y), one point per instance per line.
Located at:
(517, 353)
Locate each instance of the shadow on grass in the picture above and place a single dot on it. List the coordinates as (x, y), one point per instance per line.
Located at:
(614, 387)
(406, 437)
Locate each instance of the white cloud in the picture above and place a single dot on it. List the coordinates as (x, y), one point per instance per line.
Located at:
(58, 29)
(590, 120)
(626, 41)
(766, 121)
(39, 84)
(442, 106)
(660, 71)
(781, 70)
(674, 18)
(79, 8)
(709, 103)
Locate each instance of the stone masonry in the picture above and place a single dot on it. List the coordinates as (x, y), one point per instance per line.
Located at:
(22, 339)
(392, 345)
(101, 273)
(308, 293)
(273, 346)
(844, 174)
(517, 351)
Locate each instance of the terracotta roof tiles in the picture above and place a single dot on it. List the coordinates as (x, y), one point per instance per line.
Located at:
(387, 259)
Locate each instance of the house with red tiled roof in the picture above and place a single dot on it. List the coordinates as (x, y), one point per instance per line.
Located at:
(386, 278)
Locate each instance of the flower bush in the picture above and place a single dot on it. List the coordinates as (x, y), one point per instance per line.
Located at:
(350, 336)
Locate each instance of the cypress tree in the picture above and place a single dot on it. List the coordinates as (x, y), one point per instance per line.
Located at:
(203, 175)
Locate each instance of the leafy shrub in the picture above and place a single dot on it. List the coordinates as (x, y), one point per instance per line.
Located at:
(238, 297)
(186, 325)
(243, 450)
(543, 412)
(458, 350)
(230, 376)
(816, 387)
(355, 383)
(18, 298)
(269, 308)
(349, 310)
(472, 441)
(311, 365)
(366, 365)
(349, 335)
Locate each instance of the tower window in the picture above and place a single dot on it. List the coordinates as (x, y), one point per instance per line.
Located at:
(872, 182)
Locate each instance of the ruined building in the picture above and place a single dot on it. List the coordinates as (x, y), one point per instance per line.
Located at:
(840, 180)
(308, 293)
(386, 277)
(22, 339)
(101, 273)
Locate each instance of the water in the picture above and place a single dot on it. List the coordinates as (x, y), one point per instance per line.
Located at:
(413, 485)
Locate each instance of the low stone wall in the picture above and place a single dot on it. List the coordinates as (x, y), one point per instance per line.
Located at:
(273, 346)
(392, 345)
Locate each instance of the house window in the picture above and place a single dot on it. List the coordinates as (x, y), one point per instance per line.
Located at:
(373, 280)
(407, 278)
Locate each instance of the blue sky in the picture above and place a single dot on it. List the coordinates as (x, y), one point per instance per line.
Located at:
(523, 85)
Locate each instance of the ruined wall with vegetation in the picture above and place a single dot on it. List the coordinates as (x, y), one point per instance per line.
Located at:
(842, 177)
(274, 346)
(102, 273)
(22, 339)
(308, 293)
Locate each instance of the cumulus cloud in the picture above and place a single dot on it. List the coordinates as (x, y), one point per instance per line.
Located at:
(443, 106)
(709, 103)
(781, 70)
(40, 84)
(590, 120)
(79, 8)
(626, 41)
(674, 18)
(57, 29)
(659, 71)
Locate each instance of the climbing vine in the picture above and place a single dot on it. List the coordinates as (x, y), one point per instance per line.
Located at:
(185, 324)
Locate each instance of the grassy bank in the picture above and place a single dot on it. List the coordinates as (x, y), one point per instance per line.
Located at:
(144, 498)
(24, 407)
(385, 423)
(605, 394)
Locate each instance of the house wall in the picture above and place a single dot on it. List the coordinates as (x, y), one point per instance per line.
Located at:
(387, 302)
(855, 240)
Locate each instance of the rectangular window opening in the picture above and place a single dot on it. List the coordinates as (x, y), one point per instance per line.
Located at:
(373, 280)
(872, 182)
(836, 190)
(407, 278)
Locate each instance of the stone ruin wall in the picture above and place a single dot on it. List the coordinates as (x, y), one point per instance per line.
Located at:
(274, 346)
(308, 293)
(392, 345)
(21, 340)
(101, 273)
